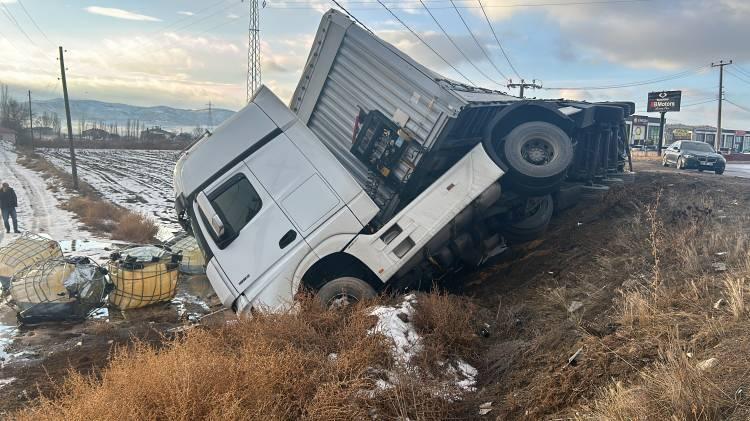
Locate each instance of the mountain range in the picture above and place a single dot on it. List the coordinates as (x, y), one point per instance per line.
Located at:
(107, 112)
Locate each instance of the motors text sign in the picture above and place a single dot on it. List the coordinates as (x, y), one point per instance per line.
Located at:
(659, 102)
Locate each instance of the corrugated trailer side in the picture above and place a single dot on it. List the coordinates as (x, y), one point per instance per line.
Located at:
(349, 69)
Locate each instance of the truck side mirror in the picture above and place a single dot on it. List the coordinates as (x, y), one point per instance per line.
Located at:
(214, 220)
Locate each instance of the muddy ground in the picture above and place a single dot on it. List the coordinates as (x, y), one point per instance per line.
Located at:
(526, 298)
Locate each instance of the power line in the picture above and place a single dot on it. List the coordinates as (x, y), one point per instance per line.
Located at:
(741, 70)
(741, 107)
(455, 45)
(402, 6)
(426, 44)
(9, 15)
(737, 76)
(477, 42)
(34, 22)
(680, 75)
(386, 45)
(194, 15)
(499, 44)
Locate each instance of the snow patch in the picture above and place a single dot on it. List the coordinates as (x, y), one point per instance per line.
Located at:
(395, 324)
(406, 341)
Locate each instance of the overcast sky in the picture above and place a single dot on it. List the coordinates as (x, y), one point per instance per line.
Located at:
(185, 53)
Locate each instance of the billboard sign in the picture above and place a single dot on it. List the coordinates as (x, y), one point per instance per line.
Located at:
(682, 134)
(639, 133)
(660, 102)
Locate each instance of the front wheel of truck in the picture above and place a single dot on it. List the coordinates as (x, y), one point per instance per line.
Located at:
(344, 291)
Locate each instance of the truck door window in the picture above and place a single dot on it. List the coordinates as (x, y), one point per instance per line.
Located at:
(236, 202)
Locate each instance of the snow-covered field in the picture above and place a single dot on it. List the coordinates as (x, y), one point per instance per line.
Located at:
(136, 179)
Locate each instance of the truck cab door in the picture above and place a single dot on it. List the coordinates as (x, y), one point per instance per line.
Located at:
(249, 233)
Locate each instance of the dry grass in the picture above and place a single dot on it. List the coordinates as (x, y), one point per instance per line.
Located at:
(135, 227)
(680, 238)
(310, 364)
(734, 289)
(106, 217)
(448, 326)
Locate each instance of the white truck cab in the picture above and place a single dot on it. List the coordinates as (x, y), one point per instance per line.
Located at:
(274, 211)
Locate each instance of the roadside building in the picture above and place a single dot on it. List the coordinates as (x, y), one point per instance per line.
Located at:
(44, 133)
(95, 134)
(156, 133)
(7, 135)
(643, 132)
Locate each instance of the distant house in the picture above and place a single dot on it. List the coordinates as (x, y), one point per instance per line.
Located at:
(7, 135)
(156, 134)
(44, 133)
(95, 134)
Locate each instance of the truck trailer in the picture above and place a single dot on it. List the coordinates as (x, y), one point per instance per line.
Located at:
(382, 174)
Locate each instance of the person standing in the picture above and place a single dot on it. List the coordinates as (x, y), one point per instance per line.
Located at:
(8, 204)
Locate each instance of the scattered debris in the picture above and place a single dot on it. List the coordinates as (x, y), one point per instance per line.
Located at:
(573, 360)
(707, 364)
(721, 253)
(719, 266)
(575, 306)
(485, 408)
(718, 303)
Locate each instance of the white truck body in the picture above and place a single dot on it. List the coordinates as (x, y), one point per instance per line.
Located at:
(381, 172)
(268, 200)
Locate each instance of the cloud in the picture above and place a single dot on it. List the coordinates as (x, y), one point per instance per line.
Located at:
(233, 16)
(658, 35)
(185, 13)
(119, 14)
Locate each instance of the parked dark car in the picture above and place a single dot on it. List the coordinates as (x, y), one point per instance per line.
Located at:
(697, 155)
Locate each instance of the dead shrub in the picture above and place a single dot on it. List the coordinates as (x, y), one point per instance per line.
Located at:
(135, 227)
(447, 324)
(120, 223)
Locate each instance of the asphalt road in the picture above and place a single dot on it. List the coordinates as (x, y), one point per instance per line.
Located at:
(738, 170)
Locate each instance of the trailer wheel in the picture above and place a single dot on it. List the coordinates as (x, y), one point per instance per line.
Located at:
(344, 291)
(538, 150)
(539, 212)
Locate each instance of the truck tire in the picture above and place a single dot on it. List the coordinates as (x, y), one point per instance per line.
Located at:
(535, 223)
(344, 291)
(538, 150)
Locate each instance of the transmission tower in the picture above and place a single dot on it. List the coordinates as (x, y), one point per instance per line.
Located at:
(253, 50)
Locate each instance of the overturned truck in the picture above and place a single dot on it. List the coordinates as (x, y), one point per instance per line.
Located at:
(382, 173)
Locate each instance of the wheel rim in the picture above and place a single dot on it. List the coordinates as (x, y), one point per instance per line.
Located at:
(537, 152)
(342, 300)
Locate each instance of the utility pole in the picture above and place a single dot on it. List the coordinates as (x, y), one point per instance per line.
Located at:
(253, 49)
(720, 65)
(210, 118)
(31, 124)
(73, 168)
(523, 85)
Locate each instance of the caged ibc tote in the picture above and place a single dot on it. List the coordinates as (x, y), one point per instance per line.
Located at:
(193, 262)
(25, 251)
(58, 289)
(143, 276)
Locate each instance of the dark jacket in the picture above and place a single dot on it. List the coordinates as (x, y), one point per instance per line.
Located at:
(8, 198)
